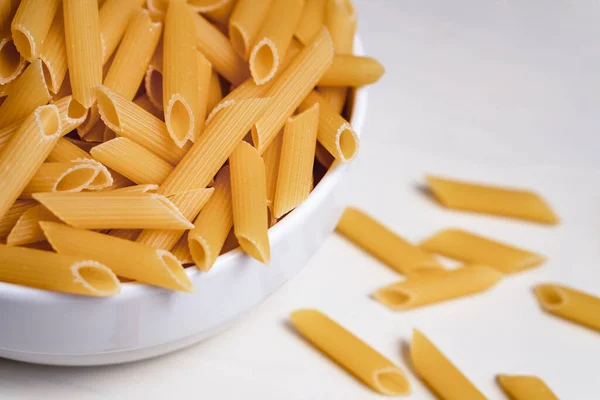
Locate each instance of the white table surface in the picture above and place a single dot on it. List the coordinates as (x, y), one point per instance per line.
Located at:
(503, 91)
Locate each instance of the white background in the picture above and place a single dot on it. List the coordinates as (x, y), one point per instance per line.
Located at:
(503, 91)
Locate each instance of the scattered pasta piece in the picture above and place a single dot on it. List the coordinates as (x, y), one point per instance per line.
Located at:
(423, 289)
(311, 22)
(349, 70)
(439, 373)
(351, 353)
(522, 204)
(31, 24)
(471, 248)
(27, 229)
(570, 304)
(51, 271)
(246, 20)
(70, 176)
(383, 244)
(126, 258)
(114, 17)
(525, 387)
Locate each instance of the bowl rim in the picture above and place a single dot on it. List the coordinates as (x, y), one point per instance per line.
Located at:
(276, 233)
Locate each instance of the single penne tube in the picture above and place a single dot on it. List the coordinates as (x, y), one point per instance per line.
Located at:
(385, 245)
(295, 177)
(24, 95)
(181, 75)
(114, 17)
(132, 161)
(31, 24)
(468, 247)
(335, 133)
(480, 198)
(311, 22)
(203, 93)
(273, 38)
(249, 201)
(131, 121)
(126, 258)
(72, 114)
(10, 218)
(439, 373)
(522, 387)
(61, 177)
(291, 87)
(26, 151)
(114, 210)
(208, 154)
(135, 50)
(351, 353)
(215, 94)
(419, 290)
(272, 157)
(181, 250)
(84, 48)
(57, 272)
(244, 24)
(144, 102)
(11, 62)
(53, 54)
(148, 188)
(190, 203)
(218, 50)
(340, 19)
(220, 15)
(349, 70)
(213, 224)
(27, 229)
(571, 304)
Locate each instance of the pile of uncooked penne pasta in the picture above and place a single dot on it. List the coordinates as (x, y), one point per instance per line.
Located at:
(485, 263)
(168, 131)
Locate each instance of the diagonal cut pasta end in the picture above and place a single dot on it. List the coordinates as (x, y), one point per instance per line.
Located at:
(179, 120)
(175, 270)
(12, 63)
(264, 61)
(201, 253)
(76, 178)
(394, 297)
(173, 208)
(346, 143)
(550, 297)
(258, 251)
(98, 279)
(107, 109)
(24, 42)
(47, 119)
(390, 381)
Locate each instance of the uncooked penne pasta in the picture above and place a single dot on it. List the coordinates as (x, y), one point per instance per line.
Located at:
(107, 210)
(190, 203)
(295, 178)
(65, 150)
(349, 70)
(570, 304)
(10, 218)
(272, 157)
(471, 248)
(144, 102)
(525, 387)
(221, 14)
(148, 188)
(218, 50)
(313, 18)
(84, 48)
(291, 87)
(439, 373)
(515, 203)
(244, 24)
(11, 62)
(26, 151)
(53, 54)
(132, 161)
(335, 133)
(215, 94)
(27, 229)
(126, 258)
(340, 19)
(134, 53)
(51, 271)
(351, 353)
(133, 122)
(385, 245)
(72, 114)
(249, 201)
(212, 225)
(213, 148)
(114, 17)
(423, 289)
(273, 38)
(67, 176)
(181, 66)
(24, 95)
(31, 24)
(7, 132)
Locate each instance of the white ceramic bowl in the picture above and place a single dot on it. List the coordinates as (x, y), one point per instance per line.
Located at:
(145, 321)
